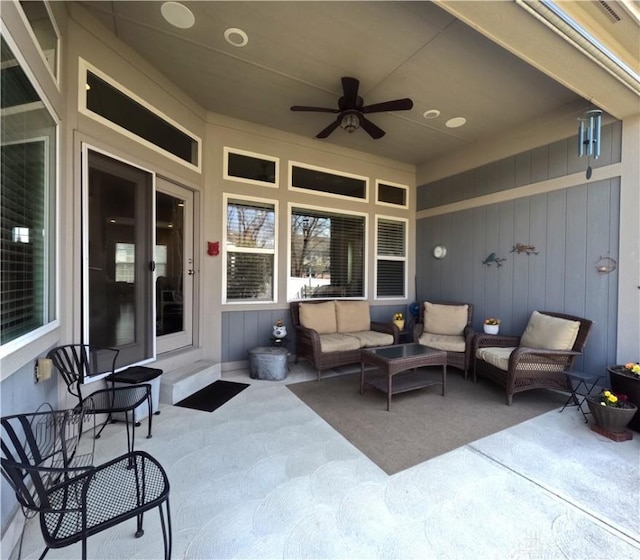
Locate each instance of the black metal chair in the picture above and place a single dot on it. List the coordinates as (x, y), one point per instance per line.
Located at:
(77, 362)
(75, 500)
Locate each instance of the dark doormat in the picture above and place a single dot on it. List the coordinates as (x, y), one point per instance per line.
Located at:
(213, 396)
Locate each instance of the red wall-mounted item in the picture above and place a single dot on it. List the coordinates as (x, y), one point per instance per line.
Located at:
(213, 248)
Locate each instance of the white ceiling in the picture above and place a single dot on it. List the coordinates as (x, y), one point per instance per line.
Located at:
(298, 51)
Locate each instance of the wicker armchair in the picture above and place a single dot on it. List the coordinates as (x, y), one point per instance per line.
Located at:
(457, 342)
(506, 361)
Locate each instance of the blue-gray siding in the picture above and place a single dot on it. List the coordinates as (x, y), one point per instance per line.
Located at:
(571, 230)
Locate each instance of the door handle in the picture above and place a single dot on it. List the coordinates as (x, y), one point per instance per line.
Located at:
(191, 272)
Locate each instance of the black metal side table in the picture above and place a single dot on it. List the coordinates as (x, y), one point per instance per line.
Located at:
(586, 381)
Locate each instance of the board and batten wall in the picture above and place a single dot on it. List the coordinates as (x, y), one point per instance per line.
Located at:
(540, 198)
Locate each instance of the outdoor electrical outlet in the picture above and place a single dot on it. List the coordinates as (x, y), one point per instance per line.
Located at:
(43, 369)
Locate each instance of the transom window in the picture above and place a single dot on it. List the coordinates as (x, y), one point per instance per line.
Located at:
(327, 254)
(250, 250)
(327, 182)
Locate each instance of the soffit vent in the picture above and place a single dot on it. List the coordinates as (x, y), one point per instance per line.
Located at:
(609, 11)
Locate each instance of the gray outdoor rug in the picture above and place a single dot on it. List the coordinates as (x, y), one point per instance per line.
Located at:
(421, 424)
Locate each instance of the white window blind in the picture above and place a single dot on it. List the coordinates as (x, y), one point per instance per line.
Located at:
(391, 258)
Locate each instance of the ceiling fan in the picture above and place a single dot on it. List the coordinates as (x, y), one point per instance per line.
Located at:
(351, 111)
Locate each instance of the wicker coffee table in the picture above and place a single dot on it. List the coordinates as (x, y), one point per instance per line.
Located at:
(393, 360)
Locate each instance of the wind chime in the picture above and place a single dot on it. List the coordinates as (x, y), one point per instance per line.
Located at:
(589, 128)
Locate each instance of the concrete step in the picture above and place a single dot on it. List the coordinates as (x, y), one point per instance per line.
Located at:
(180, 382)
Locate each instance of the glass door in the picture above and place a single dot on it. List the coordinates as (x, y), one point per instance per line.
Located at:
(174, 267)
(117, 257)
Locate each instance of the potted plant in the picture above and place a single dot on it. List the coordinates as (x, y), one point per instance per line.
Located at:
(398, 320)
(611, 411)
(491, 325)
(626, 379)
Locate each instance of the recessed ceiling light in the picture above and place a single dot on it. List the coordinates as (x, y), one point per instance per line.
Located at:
(178, 15)
(455, 122)
(236, 37)
(431, 114)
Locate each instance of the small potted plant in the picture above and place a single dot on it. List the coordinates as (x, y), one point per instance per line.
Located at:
(611, 411)
(491, 325)
(398, 320)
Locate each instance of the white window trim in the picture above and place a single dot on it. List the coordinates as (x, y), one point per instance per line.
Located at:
(296, 205)
(18, 352)
(391, 184)
(84, 67)
(55, 76)
(293, 164)
(405, 259)
(226, 197)
(225, 167)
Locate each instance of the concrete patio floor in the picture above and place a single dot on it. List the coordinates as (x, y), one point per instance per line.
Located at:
(265, 477)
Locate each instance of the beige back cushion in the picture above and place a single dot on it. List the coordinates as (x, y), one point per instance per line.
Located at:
(353, 316)
(553, 333)
(445, 319)
(320, 317)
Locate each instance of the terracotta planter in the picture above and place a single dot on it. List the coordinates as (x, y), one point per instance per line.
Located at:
(610, 418)
(627, 384)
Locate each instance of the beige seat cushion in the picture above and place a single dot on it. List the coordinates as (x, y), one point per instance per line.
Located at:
(445, 319)
(499, 357)
(448, 342)
(338, 343)
(553, 333)
(320, 317)
(352, 316)
(368, 339)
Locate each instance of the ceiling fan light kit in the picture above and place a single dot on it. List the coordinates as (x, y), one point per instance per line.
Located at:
(351, 110)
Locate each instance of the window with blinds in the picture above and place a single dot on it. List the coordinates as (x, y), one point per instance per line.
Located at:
(250, 250)
(391, 258)
(27, 197)
(327, 254)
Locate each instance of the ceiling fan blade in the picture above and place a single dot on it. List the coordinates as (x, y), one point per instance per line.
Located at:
(395, 105)
(324, 133)
(316, 109)
(373, 130)
(350, 88)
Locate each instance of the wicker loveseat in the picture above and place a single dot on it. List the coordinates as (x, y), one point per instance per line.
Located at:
(330, 333)
(537, 359)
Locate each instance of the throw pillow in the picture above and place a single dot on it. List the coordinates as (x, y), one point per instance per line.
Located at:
(553, 333)
(320, 317)
(445, 319)
(353, 316)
